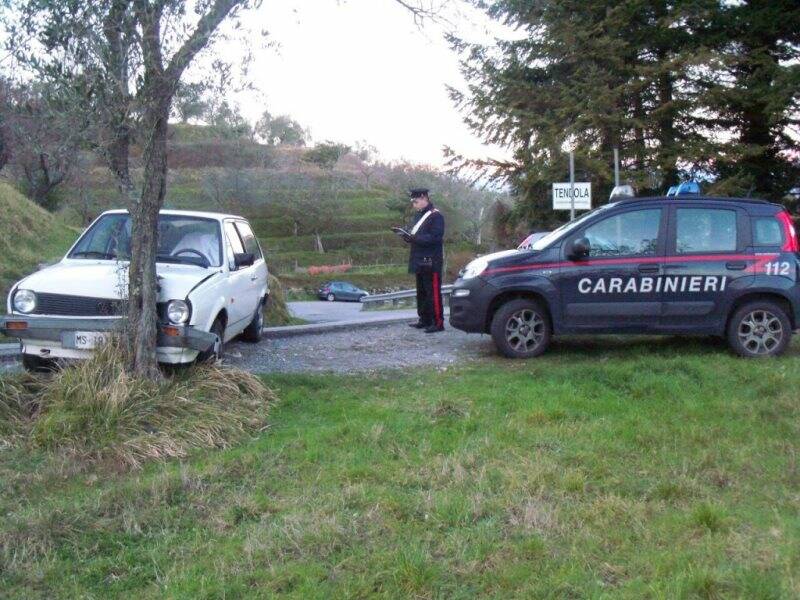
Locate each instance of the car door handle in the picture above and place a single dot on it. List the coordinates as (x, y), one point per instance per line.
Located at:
(648, 268)
(254, 277)
(674, 267)
(737, 265)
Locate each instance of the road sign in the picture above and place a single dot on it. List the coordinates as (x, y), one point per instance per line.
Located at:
(583, 196)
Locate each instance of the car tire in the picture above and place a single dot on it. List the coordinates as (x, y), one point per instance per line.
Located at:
(330, 297)
(36, 364)
(214, 353)
(252, 333)
(521, 329)
(759, 329)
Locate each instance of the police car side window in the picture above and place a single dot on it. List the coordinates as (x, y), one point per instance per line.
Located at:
(767, 232)
(705, 230)
(633, 233)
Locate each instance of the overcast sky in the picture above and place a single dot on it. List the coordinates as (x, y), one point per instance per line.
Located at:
(363, 70)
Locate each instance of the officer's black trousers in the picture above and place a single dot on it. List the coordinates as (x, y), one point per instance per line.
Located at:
(429, 298)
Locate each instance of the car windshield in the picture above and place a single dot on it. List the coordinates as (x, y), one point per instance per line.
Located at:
(556, 234)
(181, 239)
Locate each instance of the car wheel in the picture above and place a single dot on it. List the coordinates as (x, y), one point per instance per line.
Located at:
(36, 364)
(252, 333)
(521, 329)
(331, 297)
(214, 353)
(759, 329)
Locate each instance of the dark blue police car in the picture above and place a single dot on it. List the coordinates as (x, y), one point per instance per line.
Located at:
(677, 265)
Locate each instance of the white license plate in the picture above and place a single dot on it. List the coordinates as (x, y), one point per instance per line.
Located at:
(88, 340)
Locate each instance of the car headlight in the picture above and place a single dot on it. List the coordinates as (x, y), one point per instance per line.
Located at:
(24, 301)
(475, 268)
(177, 311)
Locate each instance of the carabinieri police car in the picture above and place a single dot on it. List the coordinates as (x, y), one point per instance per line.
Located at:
(679, 265)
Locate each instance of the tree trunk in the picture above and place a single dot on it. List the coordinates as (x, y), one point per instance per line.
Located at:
(318, 241)
(142, 318)
(478, 237)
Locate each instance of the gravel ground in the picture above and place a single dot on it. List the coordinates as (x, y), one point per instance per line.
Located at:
(362, 349)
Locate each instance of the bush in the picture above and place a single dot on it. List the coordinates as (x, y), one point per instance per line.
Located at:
(97, 412)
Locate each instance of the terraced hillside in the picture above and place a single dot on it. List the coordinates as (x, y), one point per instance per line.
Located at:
(265, 184)
(29, 235)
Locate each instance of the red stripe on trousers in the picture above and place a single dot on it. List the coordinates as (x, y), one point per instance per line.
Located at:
(438, 317)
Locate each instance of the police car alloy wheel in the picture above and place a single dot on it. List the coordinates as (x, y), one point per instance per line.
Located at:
(759, 329)
(331, 297)
(521, 329)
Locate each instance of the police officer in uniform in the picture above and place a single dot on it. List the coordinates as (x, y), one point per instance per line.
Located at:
(425, 261)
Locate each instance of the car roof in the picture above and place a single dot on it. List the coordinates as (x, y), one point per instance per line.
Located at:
(184, 213)
(693, 198)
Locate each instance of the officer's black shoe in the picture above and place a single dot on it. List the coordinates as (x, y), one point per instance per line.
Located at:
(434, 328)
(418, 325)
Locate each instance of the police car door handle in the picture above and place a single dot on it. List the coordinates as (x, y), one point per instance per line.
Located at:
(648, 268)
(736, 265)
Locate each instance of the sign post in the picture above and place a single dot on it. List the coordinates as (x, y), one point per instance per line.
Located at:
(572, 196)
(571, 185)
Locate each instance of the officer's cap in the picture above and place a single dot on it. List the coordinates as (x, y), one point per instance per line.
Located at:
(418, 192)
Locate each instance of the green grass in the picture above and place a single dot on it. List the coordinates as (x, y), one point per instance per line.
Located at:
(606, 469)
(29, 235)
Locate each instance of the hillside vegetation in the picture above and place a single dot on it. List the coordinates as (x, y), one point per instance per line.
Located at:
(293, 205)
(29, 235)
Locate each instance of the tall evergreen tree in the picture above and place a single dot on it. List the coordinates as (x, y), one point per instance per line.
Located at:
(753, 97)
(645, 76)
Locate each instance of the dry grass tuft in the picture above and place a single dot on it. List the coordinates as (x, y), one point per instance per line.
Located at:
(97, 412)
(277, 312)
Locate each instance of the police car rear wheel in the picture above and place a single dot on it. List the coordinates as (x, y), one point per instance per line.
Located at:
(759, 329)
(521, 329)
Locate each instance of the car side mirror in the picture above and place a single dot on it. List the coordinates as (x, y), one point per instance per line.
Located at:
(579, 249)
(243, 259)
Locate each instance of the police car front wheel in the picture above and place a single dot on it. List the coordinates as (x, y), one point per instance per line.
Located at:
(759, 329)
(521, 329)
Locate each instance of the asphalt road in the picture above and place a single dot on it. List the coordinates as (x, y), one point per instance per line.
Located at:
(320, 311)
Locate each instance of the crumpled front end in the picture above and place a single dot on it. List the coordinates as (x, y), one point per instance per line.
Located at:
(47, 336)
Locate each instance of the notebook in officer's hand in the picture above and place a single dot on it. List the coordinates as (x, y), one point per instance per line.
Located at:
(401, 232)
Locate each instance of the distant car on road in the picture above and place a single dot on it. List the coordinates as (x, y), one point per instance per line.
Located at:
(527, 243)
(340, 290)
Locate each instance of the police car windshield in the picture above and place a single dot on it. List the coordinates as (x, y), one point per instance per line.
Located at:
(556, 234)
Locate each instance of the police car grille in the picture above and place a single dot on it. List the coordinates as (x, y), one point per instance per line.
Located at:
(77, 306)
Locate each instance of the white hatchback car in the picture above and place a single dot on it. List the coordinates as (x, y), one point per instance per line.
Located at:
(212, 282)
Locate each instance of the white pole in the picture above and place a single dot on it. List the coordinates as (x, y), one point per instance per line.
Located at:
(616, 167)
(571, 185)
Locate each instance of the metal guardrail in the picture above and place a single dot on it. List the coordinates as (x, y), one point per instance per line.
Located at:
(397, 299)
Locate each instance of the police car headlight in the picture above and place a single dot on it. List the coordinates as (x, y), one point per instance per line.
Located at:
(24, 301)
(177, 311)
(475, 268)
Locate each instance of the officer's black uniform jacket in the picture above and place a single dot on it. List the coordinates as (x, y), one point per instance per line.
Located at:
(426, 244)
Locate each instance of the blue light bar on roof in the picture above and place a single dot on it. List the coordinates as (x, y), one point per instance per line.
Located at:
(688, 188)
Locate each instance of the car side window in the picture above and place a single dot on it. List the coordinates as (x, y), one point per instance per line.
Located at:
(705, 230)
(249, 239)
(633, 233)
(767, 231)
(234, 244)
